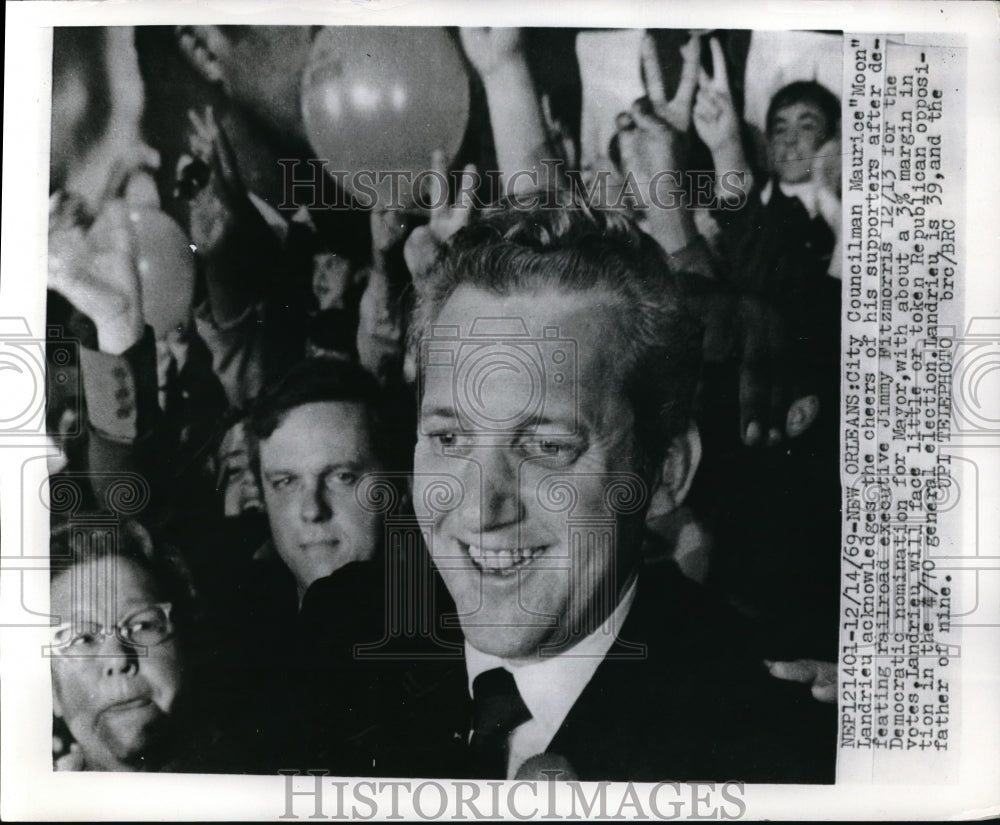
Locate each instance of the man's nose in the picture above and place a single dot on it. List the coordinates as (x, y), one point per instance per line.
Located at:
(118, 656)
(315, 504)
(494, 498)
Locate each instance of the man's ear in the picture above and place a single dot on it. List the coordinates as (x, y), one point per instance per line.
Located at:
(676, 472)
(204, 47)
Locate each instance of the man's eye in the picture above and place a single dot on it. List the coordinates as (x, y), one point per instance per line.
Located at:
(550, 449)
(450, 441)
(344, 477)
(281, 482)
(83, 640)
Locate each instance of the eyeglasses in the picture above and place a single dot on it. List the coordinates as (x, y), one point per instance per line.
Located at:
(147, 627)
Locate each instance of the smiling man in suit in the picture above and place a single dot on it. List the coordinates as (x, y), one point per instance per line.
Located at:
(557, 367)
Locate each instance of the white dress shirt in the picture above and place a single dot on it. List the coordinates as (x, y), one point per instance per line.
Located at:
(551, 685)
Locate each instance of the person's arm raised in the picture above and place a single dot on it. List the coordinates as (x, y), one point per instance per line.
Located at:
(95, 270)
(444, 218)
(518, 120)
(232, 239)
(718, 125)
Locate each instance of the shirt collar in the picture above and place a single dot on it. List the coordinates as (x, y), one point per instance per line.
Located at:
(551, 685)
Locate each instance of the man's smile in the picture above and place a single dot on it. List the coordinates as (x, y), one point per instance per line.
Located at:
(501, 560)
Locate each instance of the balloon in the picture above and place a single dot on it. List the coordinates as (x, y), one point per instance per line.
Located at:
(165, 262)
(166, 269)
(383, 99)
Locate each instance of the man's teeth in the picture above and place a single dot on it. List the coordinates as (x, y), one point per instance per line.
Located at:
(499, 561)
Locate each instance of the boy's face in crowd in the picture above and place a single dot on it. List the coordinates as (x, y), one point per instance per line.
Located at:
(797, 132)
(309, 468)
(506, 549)
(116, 702)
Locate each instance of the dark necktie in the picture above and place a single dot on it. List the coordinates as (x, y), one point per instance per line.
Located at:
(497, 709)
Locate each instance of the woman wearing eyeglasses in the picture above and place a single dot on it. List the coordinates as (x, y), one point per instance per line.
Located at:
(122, 676)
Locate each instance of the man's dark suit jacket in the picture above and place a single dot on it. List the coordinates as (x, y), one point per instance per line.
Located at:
(698, 704)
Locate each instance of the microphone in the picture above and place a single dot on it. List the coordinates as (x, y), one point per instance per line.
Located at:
(546, 766)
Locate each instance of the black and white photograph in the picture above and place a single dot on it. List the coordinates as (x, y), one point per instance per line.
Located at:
(463, 408)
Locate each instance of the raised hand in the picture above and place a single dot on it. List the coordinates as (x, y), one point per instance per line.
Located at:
(106, 171)
(445, 219)
(652, 140)
(490, 49)
(95, 270)
(238, 249)
(675, 112)
(217, 209)
(715, 117)
(388, 228)
(520, 137)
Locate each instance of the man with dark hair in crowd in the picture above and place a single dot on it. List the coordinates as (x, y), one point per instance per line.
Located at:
(557, 367)
(315, 437)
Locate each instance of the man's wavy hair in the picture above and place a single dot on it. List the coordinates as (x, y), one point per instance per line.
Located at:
(318, 380)
(526, 246)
